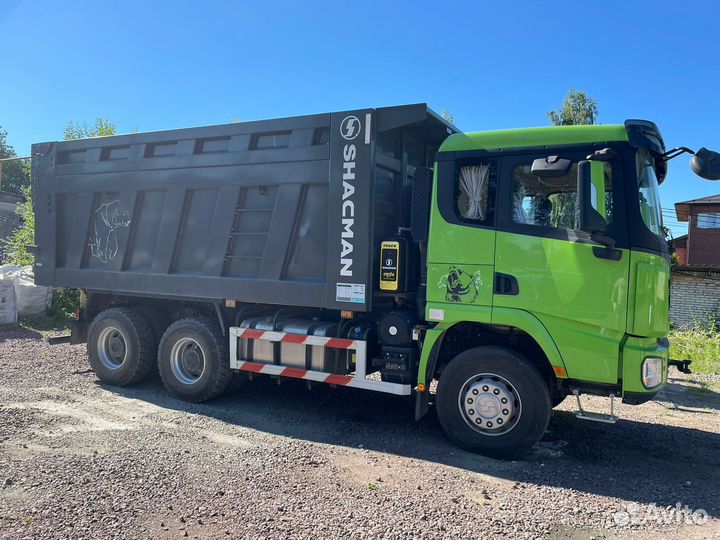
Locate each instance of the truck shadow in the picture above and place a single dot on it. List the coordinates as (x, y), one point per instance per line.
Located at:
(692, 393)
(11, 332)
(631, 461)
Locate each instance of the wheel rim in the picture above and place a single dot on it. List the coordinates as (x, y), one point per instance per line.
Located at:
(112, 347)
(490, 404)
(187, 360)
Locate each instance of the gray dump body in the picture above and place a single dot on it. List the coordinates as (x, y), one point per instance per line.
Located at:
(287, 211)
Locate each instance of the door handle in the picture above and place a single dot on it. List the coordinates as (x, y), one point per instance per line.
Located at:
(505, 284)
(607, 252)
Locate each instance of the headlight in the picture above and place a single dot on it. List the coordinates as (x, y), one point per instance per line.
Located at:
(652, 371)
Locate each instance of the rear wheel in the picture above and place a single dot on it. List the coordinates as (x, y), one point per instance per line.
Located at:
(193, 360)
(493, 401)
(121, 347)
(158, 322)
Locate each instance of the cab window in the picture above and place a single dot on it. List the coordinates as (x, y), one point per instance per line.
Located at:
(550, 202)
(474, 198)
(648, 191)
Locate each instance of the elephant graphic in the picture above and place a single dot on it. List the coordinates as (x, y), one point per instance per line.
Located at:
(460, 286)
(103, 239)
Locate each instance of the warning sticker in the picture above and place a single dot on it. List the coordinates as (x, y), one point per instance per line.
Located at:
(350, 292)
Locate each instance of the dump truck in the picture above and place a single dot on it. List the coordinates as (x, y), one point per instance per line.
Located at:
(487, 275)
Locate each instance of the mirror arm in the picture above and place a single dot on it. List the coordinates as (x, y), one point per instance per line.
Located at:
(675, 152)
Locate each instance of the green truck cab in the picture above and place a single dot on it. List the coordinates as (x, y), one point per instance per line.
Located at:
(545, 251)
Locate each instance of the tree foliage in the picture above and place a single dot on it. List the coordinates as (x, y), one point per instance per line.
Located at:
(101, 128)
(24, 235)
(15, 174)
(578, 109)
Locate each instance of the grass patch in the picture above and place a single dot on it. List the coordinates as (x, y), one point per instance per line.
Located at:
(701, 345)
(46, 323)
(60, 314)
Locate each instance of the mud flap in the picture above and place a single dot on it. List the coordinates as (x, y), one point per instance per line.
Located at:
(425, 376)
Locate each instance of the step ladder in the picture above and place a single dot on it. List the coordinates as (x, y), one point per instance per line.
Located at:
(593, 416)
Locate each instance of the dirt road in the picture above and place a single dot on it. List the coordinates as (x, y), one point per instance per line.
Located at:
(82, 460)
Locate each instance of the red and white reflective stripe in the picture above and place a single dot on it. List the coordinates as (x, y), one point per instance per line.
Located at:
(295, 373)
(299, 339)
(321, 377)
(357, 381)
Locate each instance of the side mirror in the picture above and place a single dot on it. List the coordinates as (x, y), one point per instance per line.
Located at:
(706, 164)
(591, 197)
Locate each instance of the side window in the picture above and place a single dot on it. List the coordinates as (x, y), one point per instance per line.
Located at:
(551, 202)
(708, 221)
(474, 198)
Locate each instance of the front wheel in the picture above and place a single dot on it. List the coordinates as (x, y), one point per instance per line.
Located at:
(493, 401)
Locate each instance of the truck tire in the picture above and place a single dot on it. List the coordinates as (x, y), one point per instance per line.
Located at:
(493, 401)
(158, 323)
(120, 346)
(193, 360)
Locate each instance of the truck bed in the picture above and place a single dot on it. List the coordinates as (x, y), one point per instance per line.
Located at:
(286, 211)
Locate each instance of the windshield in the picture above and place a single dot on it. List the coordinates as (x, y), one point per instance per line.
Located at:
(648, 191)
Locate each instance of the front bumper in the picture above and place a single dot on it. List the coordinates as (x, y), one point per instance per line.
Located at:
(634, 352)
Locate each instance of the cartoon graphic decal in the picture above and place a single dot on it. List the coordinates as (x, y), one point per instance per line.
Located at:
(103, 239)
(460, 286)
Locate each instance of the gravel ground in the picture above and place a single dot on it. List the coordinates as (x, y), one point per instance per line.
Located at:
(82, 460)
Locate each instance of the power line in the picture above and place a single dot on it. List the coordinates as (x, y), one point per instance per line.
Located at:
(711, 219)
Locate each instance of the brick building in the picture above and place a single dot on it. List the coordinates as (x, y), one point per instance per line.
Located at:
(679, 244)
(695, 286)
(694, 295)
(701, 247)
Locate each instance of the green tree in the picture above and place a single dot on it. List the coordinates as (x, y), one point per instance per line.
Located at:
(578, 109)
(102, 128)
(15, 174)
(24, 235)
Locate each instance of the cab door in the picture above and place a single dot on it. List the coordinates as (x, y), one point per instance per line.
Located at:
(461, 247)
(576, 287)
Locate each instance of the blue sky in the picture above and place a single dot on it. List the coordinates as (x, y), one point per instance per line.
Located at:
(151, 65)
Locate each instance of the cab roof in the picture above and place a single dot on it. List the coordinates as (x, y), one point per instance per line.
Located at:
(533, 137)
